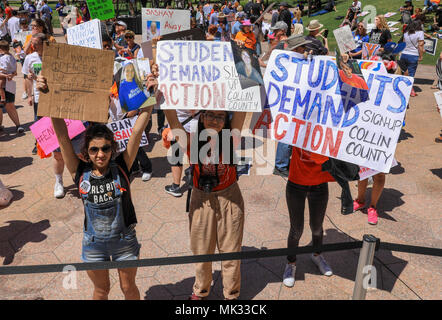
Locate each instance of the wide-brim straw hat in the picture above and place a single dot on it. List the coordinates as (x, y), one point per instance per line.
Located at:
(314, 25)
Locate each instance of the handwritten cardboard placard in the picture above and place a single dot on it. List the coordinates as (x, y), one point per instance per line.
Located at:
(79, 80)
(158, 22)
(202, 75)
(308, 107)
(344, 39)
(369, 50)
(45, 135)
(87, 34)
(122, 130)
(101, 9)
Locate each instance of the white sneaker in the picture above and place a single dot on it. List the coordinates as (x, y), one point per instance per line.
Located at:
(24, 95)
(322, 265)
(146, 176)
(58, 190)
(289, 275)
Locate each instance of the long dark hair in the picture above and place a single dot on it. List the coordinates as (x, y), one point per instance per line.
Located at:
(413, 27)
(98, 131)
(200, 144)
(41, 23)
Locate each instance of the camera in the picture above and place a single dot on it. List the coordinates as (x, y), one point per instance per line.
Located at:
(207, 183)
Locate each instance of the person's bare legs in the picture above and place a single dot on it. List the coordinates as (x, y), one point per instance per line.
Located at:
(58, 166)
(362, 188)
(100, 279)
(177, 171)
(12, 112)
(378, 186)
(127, 283)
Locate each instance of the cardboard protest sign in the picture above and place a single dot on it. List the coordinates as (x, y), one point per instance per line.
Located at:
(377, 66)
(45, 135)
(369, 50)
(430, 45)
(130, 83)
(147, 49)
(344, 39)
(192, 34)
(308, 107)
(101, 9)
(122, 130)
(79, 80)
(158, 22)
(365, 173)
(87, 34)
(202, 75)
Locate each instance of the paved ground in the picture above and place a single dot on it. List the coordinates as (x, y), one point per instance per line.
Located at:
(38, 229)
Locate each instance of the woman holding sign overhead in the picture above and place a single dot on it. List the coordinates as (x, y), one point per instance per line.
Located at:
(110, 219)
(216, 214)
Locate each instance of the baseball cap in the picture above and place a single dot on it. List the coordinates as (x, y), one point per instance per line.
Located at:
(121, 23)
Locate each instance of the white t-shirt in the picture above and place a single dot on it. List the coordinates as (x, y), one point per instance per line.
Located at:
(183, 115)
(412, 42)
(3, 30)
(13, 25)
(8, 64)
(28, 66)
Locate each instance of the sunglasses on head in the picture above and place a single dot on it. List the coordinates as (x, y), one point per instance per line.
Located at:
(105, 149)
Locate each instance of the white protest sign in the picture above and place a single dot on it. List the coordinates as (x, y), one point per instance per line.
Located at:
(122, 130)
(156, 22)
(430, 45)
(365, 173)
(21, 36)
(369, 50)
(438, 96)
(87, 34)
(308, 107)
(202, 75)
(344, 39)
(377, 66)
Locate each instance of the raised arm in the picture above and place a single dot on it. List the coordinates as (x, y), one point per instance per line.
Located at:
(130, 153)
(67, 150)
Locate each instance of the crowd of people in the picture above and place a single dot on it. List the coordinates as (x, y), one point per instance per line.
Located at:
(216, 206)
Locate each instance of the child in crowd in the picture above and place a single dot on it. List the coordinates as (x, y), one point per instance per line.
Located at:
(8, 66)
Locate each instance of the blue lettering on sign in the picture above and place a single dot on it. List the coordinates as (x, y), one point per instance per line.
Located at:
(350, 106)
(194, 51)
(284, 99)
(172, 72)
(400, 94)
(334, 68)
(317, 103)
(184, 71)
(268, 105)
(195, 73)
(383, 81)
(163, 50)
(278, 64)
(180, 50)
(215, 52)
(163, 71)
(336, 115)
(207, 52)
(310, 73)
(297, 101)
(227, 53)
(300, 63)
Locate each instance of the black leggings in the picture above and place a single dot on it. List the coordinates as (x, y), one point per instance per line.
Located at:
(317, 197)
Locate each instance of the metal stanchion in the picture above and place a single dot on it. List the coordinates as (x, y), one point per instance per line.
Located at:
(366, 256)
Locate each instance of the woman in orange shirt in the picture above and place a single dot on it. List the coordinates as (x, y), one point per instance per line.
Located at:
(246, 37)
(306, 180)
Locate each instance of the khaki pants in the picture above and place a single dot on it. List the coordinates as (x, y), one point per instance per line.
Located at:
(217, 220)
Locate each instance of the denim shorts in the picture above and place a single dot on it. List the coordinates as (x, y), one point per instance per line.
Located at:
(115, 249)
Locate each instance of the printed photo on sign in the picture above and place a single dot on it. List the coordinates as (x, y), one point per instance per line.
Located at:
(131, 89)
(350, 72)
(247, 66)
(430, 46)
(153, 29)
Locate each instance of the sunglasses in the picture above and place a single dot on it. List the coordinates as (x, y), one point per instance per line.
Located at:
(129, 37)
(105, 149)
(212, 117)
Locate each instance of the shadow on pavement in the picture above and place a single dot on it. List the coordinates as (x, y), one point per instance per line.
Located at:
(399, 169)
(257, 274)
(160, 166)
(437, 172)
(20, 233)
(9, 165)
(404, 135)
